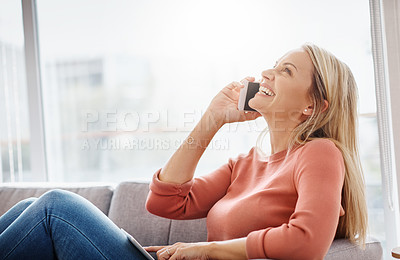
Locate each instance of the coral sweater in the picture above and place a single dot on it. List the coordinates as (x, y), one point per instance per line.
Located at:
(286, 208)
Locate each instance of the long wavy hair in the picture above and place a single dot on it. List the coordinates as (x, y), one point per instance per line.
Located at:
(333, 81)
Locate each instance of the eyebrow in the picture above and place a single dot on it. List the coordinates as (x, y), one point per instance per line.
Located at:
(286, 63)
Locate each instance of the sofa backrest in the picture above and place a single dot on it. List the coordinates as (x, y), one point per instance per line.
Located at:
(100, 196)
(128, 211)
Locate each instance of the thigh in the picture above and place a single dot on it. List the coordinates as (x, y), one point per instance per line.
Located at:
(74, 227)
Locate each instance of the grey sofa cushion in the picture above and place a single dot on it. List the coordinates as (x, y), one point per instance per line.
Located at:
(343, 249)
(128, 212)
(188, 231)
(100, 196)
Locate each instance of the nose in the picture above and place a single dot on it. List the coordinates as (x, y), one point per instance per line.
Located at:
(268, 75)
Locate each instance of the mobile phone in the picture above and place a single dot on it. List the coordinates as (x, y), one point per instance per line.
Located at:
(246, 93)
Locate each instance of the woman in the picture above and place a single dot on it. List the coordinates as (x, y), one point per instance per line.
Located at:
(289, 205)
(292, 204)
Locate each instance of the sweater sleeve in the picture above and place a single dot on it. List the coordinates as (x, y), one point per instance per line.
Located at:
(189, 200)
(318, 179)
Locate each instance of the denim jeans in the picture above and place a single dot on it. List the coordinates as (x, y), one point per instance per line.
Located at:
(61, 225)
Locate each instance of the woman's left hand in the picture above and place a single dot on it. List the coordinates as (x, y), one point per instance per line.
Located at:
(182, 251)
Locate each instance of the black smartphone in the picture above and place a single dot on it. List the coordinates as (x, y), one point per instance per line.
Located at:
(246, 93)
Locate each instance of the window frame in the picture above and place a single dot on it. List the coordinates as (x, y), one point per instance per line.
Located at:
(35, 100)
(385, 32)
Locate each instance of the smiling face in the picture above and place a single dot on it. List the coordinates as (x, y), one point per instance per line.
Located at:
(284, 90)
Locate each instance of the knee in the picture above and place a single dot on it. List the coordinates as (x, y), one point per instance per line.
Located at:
(63, 202)
(57, 197)
(26, 202)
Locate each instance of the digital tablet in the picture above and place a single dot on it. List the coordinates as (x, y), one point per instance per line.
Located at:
(138, 246)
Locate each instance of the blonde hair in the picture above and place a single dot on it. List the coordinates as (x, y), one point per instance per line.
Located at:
(333, 81)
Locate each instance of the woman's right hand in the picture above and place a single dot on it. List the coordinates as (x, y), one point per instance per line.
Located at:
(224, 106)
(222, 109)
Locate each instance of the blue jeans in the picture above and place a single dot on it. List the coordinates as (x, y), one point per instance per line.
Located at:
(61, 225)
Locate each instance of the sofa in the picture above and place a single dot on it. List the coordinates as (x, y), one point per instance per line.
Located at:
(125, 205)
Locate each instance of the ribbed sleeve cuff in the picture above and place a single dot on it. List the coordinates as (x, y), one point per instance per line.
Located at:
(255, 244)
(169, 189)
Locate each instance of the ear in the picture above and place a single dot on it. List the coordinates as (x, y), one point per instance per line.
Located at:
(326, 105)
(309, 110)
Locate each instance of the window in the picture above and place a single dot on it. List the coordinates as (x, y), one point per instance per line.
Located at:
(124, 82)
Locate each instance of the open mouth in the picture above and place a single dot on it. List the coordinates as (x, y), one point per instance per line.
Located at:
(266, 91)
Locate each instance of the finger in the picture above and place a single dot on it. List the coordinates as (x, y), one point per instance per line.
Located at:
(162, 254)
(251, 79)
(168, 251)
(237, 84)
(162, 257)
(234, 85)
(176, 255)
(237, 87)
(153, 248)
